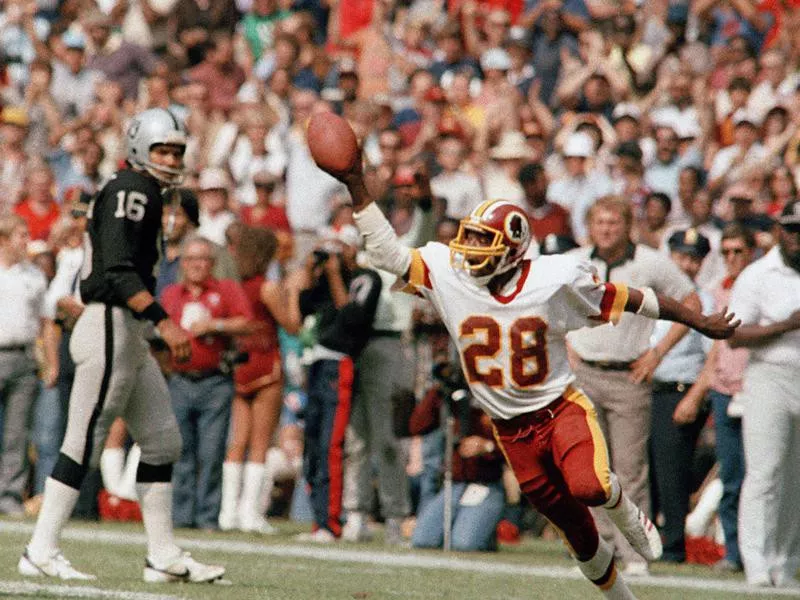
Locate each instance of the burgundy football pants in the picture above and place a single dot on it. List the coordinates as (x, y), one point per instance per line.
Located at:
(560, 459)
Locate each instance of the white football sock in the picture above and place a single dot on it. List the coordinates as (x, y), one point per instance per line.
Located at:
(59, 500)
(231, 484)
(127, 486)
(251, 490)
(276, 468)
(155, 500)
(619, 590)
(598, 566)
(112, 464)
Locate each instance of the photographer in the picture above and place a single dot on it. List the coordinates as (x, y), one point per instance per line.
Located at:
(478, 496)
(202, 388)
(344, 298)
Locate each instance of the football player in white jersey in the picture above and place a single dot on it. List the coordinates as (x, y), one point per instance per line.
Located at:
(509, 314)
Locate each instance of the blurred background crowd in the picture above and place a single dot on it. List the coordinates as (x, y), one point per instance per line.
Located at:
(620, 126)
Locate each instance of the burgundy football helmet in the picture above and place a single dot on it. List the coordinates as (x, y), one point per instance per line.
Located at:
(509, 236)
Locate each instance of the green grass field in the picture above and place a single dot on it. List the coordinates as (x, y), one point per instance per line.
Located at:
(278, 568)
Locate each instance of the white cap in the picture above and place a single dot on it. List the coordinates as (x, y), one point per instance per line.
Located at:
(578, 145)
(213, 179)
(348, 235)
(512, 145)
(626, 109)
(688, 129)
(669, 116)
(744, 116)
(495, 59)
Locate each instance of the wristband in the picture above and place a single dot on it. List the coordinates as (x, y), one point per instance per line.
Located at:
(649, 307)
(154, 313)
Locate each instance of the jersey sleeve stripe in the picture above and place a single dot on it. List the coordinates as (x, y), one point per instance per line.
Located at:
(613, 303)
(418, 274)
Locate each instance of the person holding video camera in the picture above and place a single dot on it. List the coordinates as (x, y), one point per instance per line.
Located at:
(478, 497)
(343, 297)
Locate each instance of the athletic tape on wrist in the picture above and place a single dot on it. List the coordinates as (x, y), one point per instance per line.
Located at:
(649, 307)
(154, 313)
(384, 249)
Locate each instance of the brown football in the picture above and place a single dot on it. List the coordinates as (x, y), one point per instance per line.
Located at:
(332, 143)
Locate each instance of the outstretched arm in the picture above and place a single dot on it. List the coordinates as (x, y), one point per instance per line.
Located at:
(648, 303)
(382, 245)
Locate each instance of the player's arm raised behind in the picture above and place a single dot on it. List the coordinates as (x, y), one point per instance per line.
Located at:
(648, 303)
(381, 242)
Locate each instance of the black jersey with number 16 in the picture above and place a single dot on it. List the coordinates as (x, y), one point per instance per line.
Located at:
(122, 239)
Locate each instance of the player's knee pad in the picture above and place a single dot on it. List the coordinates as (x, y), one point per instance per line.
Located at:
(68, 471)
(587, 490)
(147, 473)
(161, 447)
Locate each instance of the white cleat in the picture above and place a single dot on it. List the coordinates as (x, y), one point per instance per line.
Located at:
(257, 525)
(320, 536)
(54, 566)
(356, 528)
(227, 521)
(640, 531)
(184, 568)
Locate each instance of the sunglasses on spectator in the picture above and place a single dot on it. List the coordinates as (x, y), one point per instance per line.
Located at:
(732, 251)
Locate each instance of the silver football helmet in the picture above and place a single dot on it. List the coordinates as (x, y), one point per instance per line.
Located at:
(148, 128)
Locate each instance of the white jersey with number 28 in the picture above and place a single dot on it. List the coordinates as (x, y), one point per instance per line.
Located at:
(512, 347)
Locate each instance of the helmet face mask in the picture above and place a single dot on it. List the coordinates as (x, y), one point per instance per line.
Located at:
(492, 240)
(150, 128)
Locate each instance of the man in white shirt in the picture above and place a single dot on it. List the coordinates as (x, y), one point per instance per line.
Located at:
(766, 296)
(731, 163)
(22, 289)
(579, 190)
(215, 217)
(461, 190)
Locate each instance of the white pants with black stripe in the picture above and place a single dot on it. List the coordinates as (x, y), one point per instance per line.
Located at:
(116, 376)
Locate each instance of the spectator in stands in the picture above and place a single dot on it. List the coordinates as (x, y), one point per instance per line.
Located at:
(545, 217)
(73, 84)
(13, 157)
(38, 207)
(501, 175)
(672, 445)
(460, 189)
(117, 59)
(652, 227)
(581, 187)
(614, 365)
(267, 212)
(213, 196)
(765, 297)
(202, 387)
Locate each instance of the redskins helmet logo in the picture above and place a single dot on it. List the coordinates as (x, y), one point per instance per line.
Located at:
(516, 227)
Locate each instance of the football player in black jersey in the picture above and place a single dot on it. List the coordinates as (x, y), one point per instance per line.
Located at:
(116, 376)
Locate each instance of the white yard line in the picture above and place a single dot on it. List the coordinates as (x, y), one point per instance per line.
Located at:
(416, 561)
(26, 588)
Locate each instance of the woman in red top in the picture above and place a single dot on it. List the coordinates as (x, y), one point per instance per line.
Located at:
(257, 403)
(265, 212)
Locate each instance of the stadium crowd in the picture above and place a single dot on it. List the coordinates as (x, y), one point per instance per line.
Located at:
(660, 139)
